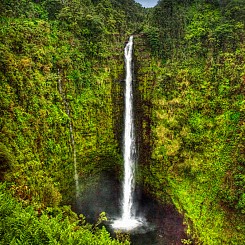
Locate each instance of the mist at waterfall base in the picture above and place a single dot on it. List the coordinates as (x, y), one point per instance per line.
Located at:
(165, 224)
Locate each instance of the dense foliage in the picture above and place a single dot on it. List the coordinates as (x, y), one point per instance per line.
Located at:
(61, 112)
(58, 62)
(197, 112)
(20, 225)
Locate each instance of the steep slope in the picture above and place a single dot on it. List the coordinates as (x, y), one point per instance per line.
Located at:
(60, 104)
(197, 114)
(61, 64)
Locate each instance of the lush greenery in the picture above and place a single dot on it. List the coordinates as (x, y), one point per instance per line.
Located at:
(61, 108)
(196, 98)
(20, 225)
(59, 61)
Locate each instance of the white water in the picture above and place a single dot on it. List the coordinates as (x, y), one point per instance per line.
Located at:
(128, 220)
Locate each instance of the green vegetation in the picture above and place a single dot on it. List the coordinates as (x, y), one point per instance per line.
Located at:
(197, 111)
(20, 225)
(59, 63)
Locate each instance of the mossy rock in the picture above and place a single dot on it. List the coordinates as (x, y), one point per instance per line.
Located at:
(6, 160)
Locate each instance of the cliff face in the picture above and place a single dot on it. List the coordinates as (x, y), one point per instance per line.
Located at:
(62, 72)
(192, 94)
(48, 85)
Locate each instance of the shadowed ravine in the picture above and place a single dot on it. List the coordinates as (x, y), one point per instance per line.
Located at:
(165, 223)
(70, 141)
(128, 209)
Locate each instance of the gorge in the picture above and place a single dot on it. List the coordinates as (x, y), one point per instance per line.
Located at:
(62, 79)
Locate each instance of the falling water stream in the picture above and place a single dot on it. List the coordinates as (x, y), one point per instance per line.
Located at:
(128, 219)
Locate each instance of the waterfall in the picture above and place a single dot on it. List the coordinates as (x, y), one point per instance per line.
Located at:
(72, 138)
(128, 221)
(129, 138)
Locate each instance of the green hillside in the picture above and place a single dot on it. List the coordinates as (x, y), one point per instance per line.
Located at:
(61, 104)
